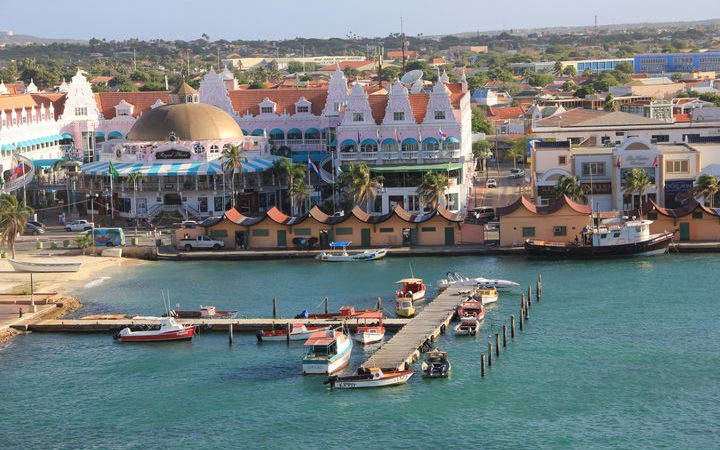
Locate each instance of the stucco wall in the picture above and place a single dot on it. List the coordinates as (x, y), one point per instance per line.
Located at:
(511, 225)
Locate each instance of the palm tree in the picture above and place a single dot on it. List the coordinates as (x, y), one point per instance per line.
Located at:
(707, 186)
(134, 178)
(361, 186)
(299, 191)
(432, 188)
(13, 217)
(232, 163)
(636, 181)
(517, 150)
(278, 169)
(570, 186)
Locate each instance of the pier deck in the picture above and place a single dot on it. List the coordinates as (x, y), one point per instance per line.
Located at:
(402, 349)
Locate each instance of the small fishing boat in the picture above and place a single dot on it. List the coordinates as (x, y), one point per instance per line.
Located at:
(205, 312)
(338, 253)
(369, 333)
(169, 330)
(471, 307)
(486, 295)
(27, 266)
(436, 364)
(374, 378)
(346, 312)
(412, 289)
(298, 332)
(468, 326)
(458, 279)
(329, 352)
(404, 308)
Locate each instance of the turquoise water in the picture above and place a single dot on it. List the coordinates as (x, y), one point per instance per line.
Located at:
(619, 354)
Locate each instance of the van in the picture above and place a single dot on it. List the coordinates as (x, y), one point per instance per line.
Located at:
(482, 213)
(108, 237)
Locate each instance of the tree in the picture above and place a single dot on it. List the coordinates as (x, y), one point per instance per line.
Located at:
(558, 68)
(482, 152)
(134, 178)
(610, 103)
(389, 73)
(540, 79)
(361, 186)
(232, 163)
(624, 66)
(479, 122)
(295, 66)
(517, 150)
(351, 73)
(85, 241)
(13, 217)
(299, 191)
(570, 186)
(432, 188)
(570, 71)
(584, 91)
(707, 186)
(636, 181)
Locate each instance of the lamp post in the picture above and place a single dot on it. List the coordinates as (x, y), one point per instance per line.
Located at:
(92, 198)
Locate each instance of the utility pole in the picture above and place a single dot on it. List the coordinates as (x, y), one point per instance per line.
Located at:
(402, 36)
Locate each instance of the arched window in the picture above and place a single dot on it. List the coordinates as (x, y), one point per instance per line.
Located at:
(368, 145)
(409, 145)
(348, 145)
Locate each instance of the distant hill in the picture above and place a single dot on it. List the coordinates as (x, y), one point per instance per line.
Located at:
(8, 37)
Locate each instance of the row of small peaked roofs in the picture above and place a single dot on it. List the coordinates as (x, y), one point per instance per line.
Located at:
(274, 214)
(691, 207)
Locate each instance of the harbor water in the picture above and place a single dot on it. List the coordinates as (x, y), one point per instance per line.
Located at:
(619, 354)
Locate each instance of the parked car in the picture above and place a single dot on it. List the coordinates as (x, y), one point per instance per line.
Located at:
(491, 183)
(79, 225)
(36, 223)
(517, 173)
(33, 229)
(189, 224)
(482, 213)
(201, 241)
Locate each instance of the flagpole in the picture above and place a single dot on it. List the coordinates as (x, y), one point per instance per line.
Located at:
(332, 157)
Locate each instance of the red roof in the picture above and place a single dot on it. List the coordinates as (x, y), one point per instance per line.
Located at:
(248, 100)
(25, 101)
(543, 210)
(321, 338)
(507, 112)
(683, 118)
(142, 101)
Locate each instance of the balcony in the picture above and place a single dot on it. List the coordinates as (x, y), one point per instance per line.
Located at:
(401, 156)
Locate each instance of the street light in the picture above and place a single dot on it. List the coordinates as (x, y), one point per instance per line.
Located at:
(92, 198)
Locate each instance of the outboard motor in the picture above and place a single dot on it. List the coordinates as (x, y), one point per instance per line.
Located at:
(303, 315)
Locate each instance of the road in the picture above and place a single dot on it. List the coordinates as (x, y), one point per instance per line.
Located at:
(507, 190)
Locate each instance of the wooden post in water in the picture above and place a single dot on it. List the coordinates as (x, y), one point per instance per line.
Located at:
(274, 307)
(512, 326)
(482, 365)
(529, 297)
(327, 305)
(522, 313)
(527, 311)
(537, 290)
(497, 345)
(504, 335)
(378, 305)
(287, 329)
(230, 334)
(539, 285)
(489, 354)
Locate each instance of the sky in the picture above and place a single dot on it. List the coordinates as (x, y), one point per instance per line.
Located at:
(287, 19)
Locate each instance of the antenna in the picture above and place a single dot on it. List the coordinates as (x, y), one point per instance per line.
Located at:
(402, 36)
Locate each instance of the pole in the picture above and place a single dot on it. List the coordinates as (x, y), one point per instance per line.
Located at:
(112, 212)
(32, 294)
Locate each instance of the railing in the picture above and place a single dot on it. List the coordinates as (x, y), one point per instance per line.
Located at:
(23, 179)
(154, 211)
(399, 155)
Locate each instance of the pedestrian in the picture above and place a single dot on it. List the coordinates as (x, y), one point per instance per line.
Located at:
(62, 217)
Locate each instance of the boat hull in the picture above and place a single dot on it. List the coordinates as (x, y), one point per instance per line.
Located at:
(367, 255)
(26, 266)
(368, 336)
(281, 335)
(405, 312)
(657, 244)
(184, 334)
(359, 382)
(325, 365)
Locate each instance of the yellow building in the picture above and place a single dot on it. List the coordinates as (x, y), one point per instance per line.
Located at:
(693, 222)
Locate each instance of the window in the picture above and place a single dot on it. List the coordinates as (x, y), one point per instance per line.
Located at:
(261, 232)
(605, 140)
(386, 230)
(661, 137)
(266, 109)
(428, 229)
(343, 231)
(528, 231)
(303, 109)
(619, 133)
(123, 112)
(218, 233)
(81, 111)
(439, 115)
(558, 231)
(697, 215)
(302, 231)
(562, 160)
(676, 166)
(413, 203)
(358, 117)
(652, 216)
(399, 116)
(452, 201)
(593, 168)
(336, 106)
(219, 204)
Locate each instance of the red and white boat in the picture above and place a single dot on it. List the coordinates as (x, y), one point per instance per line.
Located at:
(298, 332)
(472, 308)
(468, 326)
(169, 331)
(369, 333)
(412, 289)
(375, 378)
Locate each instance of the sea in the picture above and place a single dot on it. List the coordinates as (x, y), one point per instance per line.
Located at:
(618, 354)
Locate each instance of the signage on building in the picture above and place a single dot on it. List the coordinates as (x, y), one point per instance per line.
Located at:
(598, 188)
(173, 153)
(678, 193)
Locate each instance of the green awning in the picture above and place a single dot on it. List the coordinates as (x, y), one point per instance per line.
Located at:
(417, 168)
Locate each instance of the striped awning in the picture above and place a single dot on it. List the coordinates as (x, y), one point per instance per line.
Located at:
(45, 163)
(176, 168)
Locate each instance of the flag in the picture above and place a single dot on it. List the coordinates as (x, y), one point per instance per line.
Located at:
(618, 162)
(358, 141)
(419, 135)
(338, 170)
(441, 134)
(396, 135)
(655, 161)
(312, 165)
(377, 133)
(112, 171)
(19, 170)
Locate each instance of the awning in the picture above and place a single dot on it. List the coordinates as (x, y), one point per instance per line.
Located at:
(114, 134)
(368, 142)
(389, 141)
(452, 139)
(409, 141)
(348, 142)
(66, 136)
(258, 132)
(302, 156)
(176, 168)
(8, 147)
(99, 134)
(430, 140)
(417, 168)
(45, 163)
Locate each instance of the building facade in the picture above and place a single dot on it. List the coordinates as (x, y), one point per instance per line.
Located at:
(659, 63)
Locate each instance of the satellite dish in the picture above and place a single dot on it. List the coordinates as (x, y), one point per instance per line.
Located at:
(412, 76)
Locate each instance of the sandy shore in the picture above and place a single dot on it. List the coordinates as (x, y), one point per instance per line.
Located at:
(92, 268)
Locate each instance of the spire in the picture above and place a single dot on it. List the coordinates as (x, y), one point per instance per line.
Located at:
(463, 81)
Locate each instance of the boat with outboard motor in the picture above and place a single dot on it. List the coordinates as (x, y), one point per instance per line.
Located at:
(329, 352)
(468, 326)
(169, 330)
(46, 266)
(338, 253)
(404, 307)
(458, 279)
(369, 333)
(612, 238)
(412, 289)
(298, 332)
(486, 296)
(471, 307)
(436, 364)
(376, 377)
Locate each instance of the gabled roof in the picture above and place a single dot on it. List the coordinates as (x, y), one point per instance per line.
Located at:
(25, 101)
(318, 214)
(248, 100)
(505, 113)
(692, 206)
(543, 210)
(278, 216)
(581, 117)
(141, 101)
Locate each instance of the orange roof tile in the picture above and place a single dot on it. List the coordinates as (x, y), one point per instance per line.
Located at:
(142, 101)
(505, 113)
(418, 103)
(682, 118)
(20, 101)
(248, 100)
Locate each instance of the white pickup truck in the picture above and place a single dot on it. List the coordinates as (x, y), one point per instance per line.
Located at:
(201, 241)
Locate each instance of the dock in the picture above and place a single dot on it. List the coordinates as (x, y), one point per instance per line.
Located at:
(402, 350)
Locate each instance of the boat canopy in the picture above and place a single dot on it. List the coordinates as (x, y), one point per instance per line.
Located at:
(410, 281)
(340, 244)
(321, 338)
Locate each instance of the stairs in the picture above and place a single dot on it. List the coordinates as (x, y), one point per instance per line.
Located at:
(18, 182)
(324, 174)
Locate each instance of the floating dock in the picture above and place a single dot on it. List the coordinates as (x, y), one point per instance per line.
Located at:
(402, 350)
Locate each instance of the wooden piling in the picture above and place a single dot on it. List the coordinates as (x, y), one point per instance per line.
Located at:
(489, 354)
(537, 291)
(497, 345)
(529, 297)
(522, 301)
(522, 313)
(539, 286)
(504, 335)
(274, 307)
(327, 305)
(512, 326)
(230, 334)
(482, 365)
(527, 312)
(378, 305)
(287, 329)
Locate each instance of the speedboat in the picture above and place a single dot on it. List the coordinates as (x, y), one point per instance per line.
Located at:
(298, 332)
(28, 266)
(412, 289)
(169, 331)
(329, 351)
(404, 308)
(436, 364)
(338, 253)
(205, 312)
(374, 378)
(471, 307)
(486, 295)
(468, 326)
(458, 279)
(369, 333)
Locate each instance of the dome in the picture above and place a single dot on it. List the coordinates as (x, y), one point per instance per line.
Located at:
(188, 121)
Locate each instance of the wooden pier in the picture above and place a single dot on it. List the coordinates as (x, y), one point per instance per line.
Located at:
(402, 350)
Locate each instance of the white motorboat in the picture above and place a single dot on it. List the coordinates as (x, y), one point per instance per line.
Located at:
(369, 333)
(298, 332)
(375, 378)
(458, 279)
(169, 330)
(27, 266)
(329, 352)
(468, 326)
(436, 364)
(338, 253)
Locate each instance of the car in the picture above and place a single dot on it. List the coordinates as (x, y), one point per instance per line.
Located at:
(491, 183)
(189, 224)
(517, 173)
(33, 229)
(36, 223)
(481, 213)
(79, 225)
